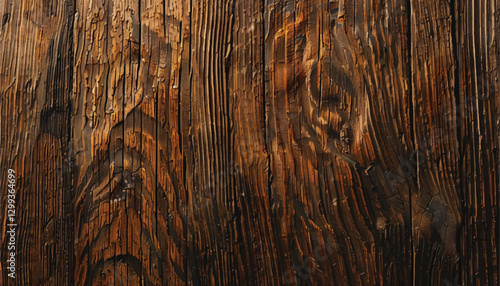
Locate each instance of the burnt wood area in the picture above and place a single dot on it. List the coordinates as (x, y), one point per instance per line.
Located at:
(251, 142)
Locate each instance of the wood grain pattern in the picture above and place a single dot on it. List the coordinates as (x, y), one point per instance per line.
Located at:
(36, 61)
(273, 142)
(478, 109)
(436, 206)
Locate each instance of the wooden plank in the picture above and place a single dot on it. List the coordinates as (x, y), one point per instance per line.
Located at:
(477, 44)
(209, 211)
(35, 88)
(337, 121)
(163, 51)
(105, 83)
(247, 174)
(456, 97)
(436, 207)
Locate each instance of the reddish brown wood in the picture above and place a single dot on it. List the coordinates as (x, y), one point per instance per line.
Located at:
(315, 142)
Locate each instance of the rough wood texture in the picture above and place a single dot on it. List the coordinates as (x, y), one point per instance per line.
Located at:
(36, 81)
(477, 53)
(305, 142)
(436, 206)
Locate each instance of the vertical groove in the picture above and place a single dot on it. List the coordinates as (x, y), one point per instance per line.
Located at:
(70, 152)
(454, 8)
(266, 142)
(141, 247)
(409, 46)
(187, 253)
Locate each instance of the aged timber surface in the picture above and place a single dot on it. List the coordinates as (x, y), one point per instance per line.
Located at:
(238, 142)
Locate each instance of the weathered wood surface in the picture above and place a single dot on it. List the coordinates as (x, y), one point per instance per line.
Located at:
(36, 81)
(315, 142)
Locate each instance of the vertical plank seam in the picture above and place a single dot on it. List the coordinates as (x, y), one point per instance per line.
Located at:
(187, 253)
(454, 7)
(70, 152)
(141, 159)
(409, 47)
(122, 170)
